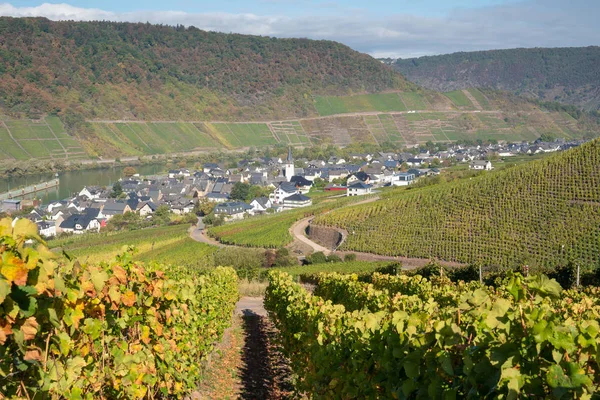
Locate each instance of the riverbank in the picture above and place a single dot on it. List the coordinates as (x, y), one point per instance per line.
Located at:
(15, 168)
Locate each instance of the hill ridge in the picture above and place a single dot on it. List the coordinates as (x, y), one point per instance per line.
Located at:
(567, 74)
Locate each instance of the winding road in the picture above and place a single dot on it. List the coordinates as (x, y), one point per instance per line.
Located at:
(298, 232)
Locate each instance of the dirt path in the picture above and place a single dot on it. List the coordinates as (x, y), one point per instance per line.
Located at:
(298, 229)
(248, 363)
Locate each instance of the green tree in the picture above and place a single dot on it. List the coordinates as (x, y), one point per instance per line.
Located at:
(117, 190)
(240, 191)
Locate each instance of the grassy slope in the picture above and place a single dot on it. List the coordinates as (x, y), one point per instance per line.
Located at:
(437, 118)
(544, 212)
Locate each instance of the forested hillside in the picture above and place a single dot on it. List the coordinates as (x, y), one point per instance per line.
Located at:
(567, 75)
(545, 212)
(106, 70)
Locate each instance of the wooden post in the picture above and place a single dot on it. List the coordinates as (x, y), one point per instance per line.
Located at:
(577, 276)
(480, 274)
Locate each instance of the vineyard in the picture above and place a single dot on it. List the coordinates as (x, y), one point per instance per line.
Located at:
(272, 231)
(112, 330)
(545, 213)
(409, 337)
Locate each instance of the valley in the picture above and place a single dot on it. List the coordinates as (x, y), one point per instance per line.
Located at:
(264, 217)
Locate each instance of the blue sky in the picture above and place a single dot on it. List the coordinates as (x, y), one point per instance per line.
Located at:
(399, 28)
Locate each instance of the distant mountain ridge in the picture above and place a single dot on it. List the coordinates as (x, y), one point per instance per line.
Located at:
(142, 71)
(565, 75)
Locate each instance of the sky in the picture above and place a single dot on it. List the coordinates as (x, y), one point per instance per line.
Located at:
(382, 28)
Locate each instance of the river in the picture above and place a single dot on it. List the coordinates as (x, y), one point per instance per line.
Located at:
(73, 181)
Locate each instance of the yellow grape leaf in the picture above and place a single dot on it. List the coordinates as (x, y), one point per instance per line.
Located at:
(4, 289)
(145, 334)
(114, 294)
(26, 229)
(128, 298)
(5, 226)
(33, 354)
(30, 328)
(13, 269)
(120, 273)
(5, 330)
(99, 278)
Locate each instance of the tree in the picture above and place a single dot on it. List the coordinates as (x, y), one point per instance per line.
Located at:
(117, 190)
(240, 191)
(162, 211)
(257, 191)
(204, 206)
(129, 171)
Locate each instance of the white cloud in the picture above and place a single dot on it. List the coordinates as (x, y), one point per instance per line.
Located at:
(532, 23)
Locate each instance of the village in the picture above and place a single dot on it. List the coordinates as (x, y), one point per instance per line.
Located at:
(281, 184)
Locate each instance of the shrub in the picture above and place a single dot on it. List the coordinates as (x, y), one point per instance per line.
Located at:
(350, 257)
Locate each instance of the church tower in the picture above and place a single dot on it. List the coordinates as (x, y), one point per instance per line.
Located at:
(289, 165)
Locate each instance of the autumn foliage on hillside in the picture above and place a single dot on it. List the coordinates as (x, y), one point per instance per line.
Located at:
(118, 70)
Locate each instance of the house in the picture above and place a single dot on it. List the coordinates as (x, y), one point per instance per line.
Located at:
(359, 189)
(91, 192)
(209, 166)
(112, 208)
(232, 209)
(261, 204)
(47, 229)
(359, 176)
(302, 184)
(80, 223)
(146, 208)
(312, 173)
(296, 201)
(481, 165)
(176, 173)
(217, 197)
(415, 162)
(285, 189)
(403, 179)
(11, 205)
(337, 173)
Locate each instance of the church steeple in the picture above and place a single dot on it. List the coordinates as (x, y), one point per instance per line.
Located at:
(289, 169)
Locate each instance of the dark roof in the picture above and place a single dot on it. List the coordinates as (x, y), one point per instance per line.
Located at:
(114, 208)
(297, 197)
(231, 207)
(83, 219)
(287, 187)
(359, 185)
(217, 196)
(300, 181)
(262, 201)
(361, 176)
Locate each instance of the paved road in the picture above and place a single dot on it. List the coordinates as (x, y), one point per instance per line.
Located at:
(199, 235)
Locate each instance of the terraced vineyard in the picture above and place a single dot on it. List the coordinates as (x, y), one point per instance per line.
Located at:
(44, 139)
(402, 118)
(546, 212)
